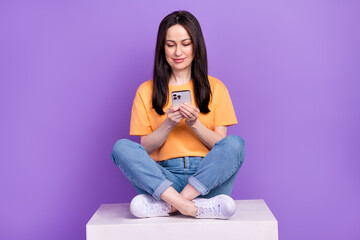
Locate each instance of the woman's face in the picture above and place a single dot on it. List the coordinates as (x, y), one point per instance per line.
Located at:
(178, 48)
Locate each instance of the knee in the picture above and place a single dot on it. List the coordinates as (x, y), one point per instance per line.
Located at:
(120, 147)
(236, 144)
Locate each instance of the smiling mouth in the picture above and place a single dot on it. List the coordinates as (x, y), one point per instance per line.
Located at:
(179, 59)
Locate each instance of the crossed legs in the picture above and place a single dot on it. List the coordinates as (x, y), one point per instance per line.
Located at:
(233, 148)
(181, 201)
(217, 169)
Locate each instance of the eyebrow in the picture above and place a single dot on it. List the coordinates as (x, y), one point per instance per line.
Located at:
(181, 40)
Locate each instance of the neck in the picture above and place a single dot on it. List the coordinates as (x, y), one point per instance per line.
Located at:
(180, 77)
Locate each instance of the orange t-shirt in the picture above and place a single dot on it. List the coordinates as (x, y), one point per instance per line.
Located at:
(181, 141)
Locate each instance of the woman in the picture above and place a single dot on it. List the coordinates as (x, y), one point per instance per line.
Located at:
(184, 150)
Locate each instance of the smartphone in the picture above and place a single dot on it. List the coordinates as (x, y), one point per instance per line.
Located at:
(180, 97)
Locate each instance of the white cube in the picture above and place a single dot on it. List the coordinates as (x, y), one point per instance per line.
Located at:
(253, 220)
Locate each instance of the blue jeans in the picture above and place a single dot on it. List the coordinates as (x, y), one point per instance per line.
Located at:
(211, 175)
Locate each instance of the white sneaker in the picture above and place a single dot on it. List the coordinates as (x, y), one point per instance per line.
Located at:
(145, 205)
(220, 206)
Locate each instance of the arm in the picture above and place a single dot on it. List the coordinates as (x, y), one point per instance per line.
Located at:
(157, 138)
(207, 136)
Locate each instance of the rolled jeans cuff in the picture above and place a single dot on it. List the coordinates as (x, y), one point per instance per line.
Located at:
(161, 188)
(198, 186)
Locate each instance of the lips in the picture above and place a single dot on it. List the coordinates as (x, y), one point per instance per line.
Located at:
(179, 60)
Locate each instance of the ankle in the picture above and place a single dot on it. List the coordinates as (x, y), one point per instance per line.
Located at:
(189, 210)
(173, 209)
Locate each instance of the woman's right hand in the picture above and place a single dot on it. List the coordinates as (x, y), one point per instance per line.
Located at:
(174, 116)
(156, 139)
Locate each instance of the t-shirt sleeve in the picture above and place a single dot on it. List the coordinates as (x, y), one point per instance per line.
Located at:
(139, 123)
(224, 114)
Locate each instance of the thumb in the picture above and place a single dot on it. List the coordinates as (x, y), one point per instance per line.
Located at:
(174, 108)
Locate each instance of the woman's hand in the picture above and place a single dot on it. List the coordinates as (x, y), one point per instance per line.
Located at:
(190, 112)
(174, 116)
(156, 139)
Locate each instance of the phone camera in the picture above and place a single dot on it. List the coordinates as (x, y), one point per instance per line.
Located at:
(175, 97)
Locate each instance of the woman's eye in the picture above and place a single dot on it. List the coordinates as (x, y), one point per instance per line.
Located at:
(183, 45)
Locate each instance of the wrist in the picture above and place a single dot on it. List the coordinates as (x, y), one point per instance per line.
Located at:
(169, 124)
(195, 125)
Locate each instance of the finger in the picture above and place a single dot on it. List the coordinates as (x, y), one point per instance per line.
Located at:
(177, 113)
(172, 109)
(185, 116)
(192, 107)
(176, 116)
(190, 110)
(187, 113)
(175, 108)
(181, 117)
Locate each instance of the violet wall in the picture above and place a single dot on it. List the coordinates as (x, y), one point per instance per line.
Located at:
(69, 71)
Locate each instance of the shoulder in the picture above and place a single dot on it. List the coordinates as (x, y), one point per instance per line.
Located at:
(145, 87)
(144, 91)
(216, 85)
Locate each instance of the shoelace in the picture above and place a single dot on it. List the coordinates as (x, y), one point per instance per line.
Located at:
(209, 209)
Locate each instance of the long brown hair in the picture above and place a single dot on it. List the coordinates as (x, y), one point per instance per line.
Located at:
(199, 68)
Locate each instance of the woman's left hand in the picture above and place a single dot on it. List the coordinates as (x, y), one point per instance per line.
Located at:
(190, 112)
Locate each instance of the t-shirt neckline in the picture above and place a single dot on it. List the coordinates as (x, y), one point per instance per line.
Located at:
(180, 86)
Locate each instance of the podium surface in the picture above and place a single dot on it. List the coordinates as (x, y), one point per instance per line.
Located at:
(253, 220)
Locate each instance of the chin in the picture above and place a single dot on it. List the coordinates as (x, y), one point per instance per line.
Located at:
(180, 67)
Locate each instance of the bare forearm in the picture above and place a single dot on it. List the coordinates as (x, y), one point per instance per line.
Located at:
(207, 136)
(157, 138)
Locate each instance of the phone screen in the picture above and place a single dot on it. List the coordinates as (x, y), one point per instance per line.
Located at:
(180, 97)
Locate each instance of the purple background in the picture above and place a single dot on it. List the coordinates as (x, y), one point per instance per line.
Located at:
(69, 72)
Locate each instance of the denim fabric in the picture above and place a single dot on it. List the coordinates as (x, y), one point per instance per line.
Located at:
(211, 175)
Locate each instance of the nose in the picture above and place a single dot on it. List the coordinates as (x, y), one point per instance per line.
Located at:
(178, 51)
